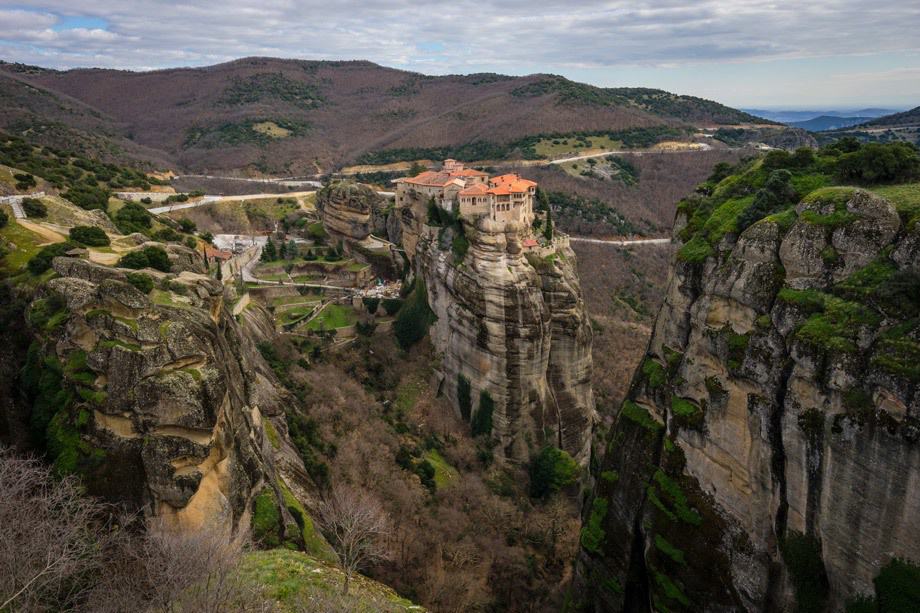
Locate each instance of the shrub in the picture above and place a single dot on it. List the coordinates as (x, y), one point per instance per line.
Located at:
(776, 194)
(482, 420)
(370, 304)
(392, 305)
(592, 535)
(34, 207)
(464, 397)
(426, 472)
(146, 200)
(41, 261)
(4, 219)
(148, 257)
(414, 317)
(550, 471)
(24, 181)
(132, 218)
(141, 281)
(187, 225)
(89, 235)
(802, 555)
(89, 197)
(897, 587)
(880, 163)
(167, 235)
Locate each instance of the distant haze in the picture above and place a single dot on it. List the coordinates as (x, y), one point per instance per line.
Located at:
(827, 53)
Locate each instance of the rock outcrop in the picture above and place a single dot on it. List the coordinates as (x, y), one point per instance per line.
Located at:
(352, 211)
(510, 327)
(769, 443)
(158, 401)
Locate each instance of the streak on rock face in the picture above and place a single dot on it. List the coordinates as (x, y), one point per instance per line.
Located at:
(790, 434)
(515, 328)
(174, 393)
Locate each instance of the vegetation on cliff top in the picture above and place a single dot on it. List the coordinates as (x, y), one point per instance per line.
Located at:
(733, 199)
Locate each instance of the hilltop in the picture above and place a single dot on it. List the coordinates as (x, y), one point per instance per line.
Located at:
(302, 117)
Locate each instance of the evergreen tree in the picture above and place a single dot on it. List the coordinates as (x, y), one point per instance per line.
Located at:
(220, 273)
(291, 249)
(283, 252)
(548, 228)
(269, 253)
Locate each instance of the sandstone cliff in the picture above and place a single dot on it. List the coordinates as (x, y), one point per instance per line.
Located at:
(159, 401)
(513, 327)
(767, 455)
(351, 211)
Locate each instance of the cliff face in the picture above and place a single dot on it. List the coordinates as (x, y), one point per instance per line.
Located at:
(513, 328)
(351, 211)
(770, 438)
(158, 401)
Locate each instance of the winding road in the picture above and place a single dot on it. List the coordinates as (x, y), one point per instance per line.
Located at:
(620, 243)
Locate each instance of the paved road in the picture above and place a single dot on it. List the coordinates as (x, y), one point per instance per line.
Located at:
(621, 243)
(287, 181)
(212, 199)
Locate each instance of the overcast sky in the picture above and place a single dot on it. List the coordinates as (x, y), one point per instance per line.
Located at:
(843, 53)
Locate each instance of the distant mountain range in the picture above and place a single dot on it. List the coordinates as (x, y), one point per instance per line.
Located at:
(828, 122)
(797, 116)
(299, 117)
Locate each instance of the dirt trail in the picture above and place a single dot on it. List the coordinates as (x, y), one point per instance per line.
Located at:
(47, 233)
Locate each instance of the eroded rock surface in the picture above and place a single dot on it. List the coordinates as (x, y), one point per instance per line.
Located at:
(169, 394)
(513, 326)
(779, 399)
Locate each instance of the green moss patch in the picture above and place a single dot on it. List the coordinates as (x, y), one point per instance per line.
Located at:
(640, 416)
(593, 534)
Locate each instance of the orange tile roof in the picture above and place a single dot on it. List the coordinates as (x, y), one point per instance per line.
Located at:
(469, 172)
(220, 254)
(477, 189)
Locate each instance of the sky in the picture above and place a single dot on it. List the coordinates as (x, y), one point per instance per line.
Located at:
(818, 54)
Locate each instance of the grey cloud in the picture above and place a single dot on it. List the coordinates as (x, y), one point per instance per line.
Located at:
(489, 33)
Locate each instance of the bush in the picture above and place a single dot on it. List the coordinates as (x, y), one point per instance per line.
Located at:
(482, 420)
(414, 317)
(550, 471)
(89, 197)
(464, 397)
(34, 207)
(776, 194)
(133, 218)
(392, 305)
(897, 587)
(370, 304)
(880, 163)
(4, 219)
(148, 257)
(141, 281)
(41, 261)
(24, 181)
(167, 235)
(146, 200)
(187, 225)
(90, 236)
(802, 555)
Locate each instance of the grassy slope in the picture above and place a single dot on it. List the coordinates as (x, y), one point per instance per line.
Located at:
(290, 578)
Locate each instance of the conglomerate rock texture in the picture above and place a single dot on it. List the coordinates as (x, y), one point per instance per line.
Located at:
(779, 402)
(514, 327)
(351, 210)
(159, 400)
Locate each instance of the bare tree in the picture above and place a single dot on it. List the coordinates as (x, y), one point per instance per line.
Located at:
(167, 569)
(51, 537)
(355, 524)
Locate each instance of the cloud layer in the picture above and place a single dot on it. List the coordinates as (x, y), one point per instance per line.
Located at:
(514, 36)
